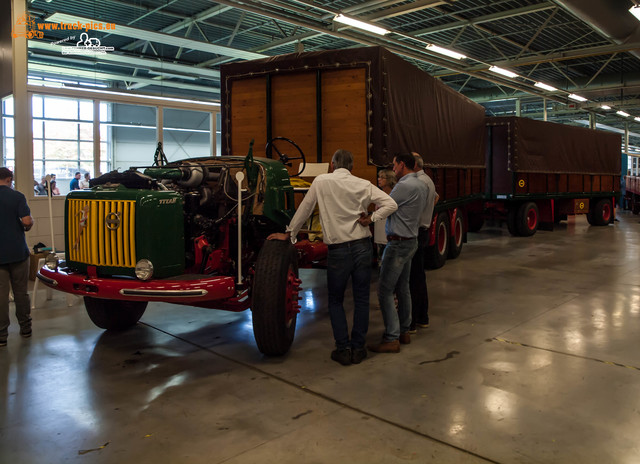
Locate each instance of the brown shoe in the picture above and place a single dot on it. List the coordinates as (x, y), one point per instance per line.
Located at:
(386, 347)
(405, 338)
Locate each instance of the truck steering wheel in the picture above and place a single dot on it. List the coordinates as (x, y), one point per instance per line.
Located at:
(286, 159)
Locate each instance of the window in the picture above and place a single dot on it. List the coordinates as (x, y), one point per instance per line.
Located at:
(7, 145)
(186, 134)
(63, 138)
(131, 132)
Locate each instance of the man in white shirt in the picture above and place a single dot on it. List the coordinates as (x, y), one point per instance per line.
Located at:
(417, 277)
(343, 199)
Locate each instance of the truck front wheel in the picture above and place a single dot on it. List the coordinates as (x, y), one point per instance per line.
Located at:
(114, 314)
(274, 306)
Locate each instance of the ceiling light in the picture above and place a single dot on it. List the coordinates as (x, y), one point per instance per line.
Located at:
(504, 72)
(447, 52)
(622, 113)
(575, 97)
(360, 24)
(545, 86)
(605, 107)
(635, 11)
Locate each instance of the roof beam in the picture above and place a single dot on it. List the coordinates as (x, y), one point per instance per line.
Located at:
(145, 63)
(486, 19)
(159, 37)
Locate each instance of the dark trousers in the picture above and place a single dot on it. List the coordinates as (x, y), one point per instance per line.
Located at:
(353, 261)
(418, 282)
(16, 276)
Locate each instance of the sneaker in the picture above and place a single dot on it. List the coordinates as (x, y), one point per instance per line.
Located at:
(423, 325)
(357, 355)
(3, 343)
(413, 329)
(342, 356)
(25, 332)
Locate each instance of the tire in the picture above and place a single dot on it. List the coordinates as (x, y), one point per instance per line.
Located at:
(511, 220)
(457, 236)
(527, 219)
(475, 221)
(600, 213)
(114, 314)
(274, 296)
(436, 255)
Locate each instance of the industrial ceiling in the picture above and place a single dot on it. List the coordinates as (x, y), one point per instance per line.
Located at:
(174, 47)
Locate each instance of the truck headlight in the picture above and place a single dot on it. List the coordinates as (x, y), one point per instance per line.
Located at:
(51, 261)
(144, 269)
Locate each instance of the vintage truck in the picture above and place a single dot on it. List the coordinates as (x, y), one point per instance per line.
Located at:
(540, 172)
(190, 232)
(373, 103)
(632, 194)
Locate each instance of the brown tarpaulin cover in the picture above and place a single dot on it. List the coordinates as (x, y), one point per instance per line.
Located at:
(411, 110)
(547, 147)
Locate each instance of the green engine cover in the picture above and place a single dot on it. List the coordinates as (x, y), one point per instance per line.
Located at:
(113, 228)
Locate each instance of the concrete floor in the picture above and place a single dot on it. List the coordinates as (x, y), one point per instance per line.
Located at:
(531, 358)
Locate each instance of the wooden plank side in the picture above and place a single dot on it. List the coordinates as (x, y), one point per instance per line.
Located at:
(344, 118)
(575, 183)
(248, 116)
(563, 183)
(293, 113)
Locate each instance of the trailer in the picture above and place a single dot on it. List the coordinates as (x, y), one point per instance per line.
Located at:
(632, 194)
(374, 104)
(539, 173)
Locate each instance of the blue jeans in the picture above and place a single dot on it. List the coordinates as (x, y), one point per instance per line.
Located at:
(353, 259)
(394, 275)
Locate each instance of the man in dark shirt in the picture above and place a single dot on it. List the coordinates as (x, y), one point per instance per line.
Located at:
(15, 218)
(75, 182)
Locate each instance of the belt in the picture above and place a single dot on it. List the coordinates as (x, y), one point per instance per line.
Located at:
(397, 237)
(333, 246)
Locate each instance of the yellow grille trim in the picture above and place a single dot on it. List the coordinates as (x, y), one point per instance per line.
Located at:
(94, 238)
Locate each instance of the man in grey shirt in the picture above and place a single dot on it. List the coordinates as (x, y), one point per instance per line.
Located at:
(402, 231)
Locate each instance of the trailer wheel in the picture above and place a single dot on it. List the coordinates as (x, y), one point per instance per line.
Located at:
(274, 306)
(457, 236)
(436, 254)
(512, 219)
(600, 213)
(527, 219)
(114, 314)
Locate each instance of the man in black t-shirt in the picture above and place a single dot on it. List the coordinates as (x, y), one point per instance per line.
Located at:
(15, 218)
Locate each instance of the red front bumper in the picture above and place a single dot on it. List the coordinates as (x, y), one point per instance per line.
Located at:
(194, 291)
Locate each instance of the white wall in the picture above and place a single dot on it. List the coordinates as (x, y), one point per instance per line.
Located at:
(41, 230)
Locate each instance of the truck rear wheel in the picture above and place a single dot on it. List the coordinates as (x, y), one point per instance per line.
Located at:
(114, 314)
(527, 219)
(274, 306)
(600, 213)
(457, 236)
(436, 254)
